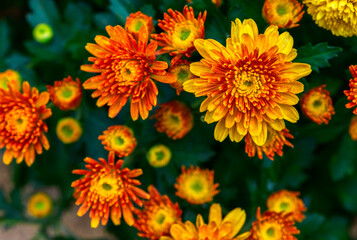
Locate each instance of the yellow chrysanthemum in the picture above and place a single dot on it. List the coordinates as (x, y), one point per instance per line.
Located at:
(11, 77)
(283, 13)
(135, 21)
(196, 185)
(215, 229)
(158, 156)
(181, 70)
(39, 205)
(338, 16)
(352, 130)
(250, 84)
(68, 130)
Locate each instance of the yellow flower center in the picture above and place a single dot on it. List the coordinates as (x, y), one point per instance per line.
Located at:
(3, 83)
(19, 122)
(182, 75)
(66, 93)
(184, 35)
(159, 156)
(196, 186)
(270, 231)
(281, 10)
(107, 187)
(67, 130)
(317, 104)
(40, 205)
(137, 25)
(128, 72)
(161, 219)
(247, 83)
(283, 204)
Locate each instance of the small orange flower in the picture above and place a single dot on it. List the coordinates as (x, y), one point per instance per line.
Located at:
(283, 13)
(158, 215)
(66, 94)
(352, 92)
(316, 104)
(135, 21)
(40, 205)
(11, 77)
(174, 119)
(274, 144)
(127, 69)
(158, 156)
(353, 128)
(68, 130)
(181, 70)
(273, 225)
(120, 139)
(106, 189)
(287, 202)
(196, 185)
(22, 126)
(181, 30)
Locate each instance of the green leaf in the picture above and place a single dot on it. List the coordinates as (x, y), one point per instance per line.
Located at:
(186, 153)
(43, 11)
(347, 193)
(317, 56)
(4, 38)
(121, 9)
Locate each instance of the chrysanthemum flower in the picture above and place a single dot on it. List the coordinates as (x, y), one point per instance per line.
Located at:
(39, 205)
(287, 202)
(215, 229)
(106, 189)
(352, 92)
(273, 225)
(157, 216)
(352, 130)
(283, 13)
(174, 118)
(11, 77)
(68, 130)
(181, 30)
(22, 126)
(135, 21)
(66, 94)
(316, 104)
(120, 139)
(196, 185)
(250, 84)
(181, 70)
(158, 156)
(127, 69)
(274, 144)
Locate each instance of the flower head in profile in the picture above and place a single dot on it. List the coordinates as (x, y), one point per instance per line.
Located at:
(287, 202)
(181, 70)
(216, 228)
(352, 92)
(39, 205)
(196, 185)
(66, 94)
(158, 156)
(338, 16)
(11, 77)
(180, 31)
(120, 139)
(316, 104)
(108, 190)
(275, 142)
(157, 216)
(68, 130)
(273, 226)
(250, 84)
(127, 70)
(137, 20)
(174, 118)
(283, 13)
(22, 126)
(352, 130)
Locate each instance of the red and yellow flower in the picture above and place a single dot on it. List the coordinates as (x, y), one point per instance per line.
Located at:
(126, 70)
(316, 104)
(273, 226)
(120, 139)
(11, 77)
(108, 190)
(22, 126)
(181, 70)
(275, 142)
(174, 118)
(287, 202)
(68, 130)
(39, 205)
(352, 130)
(352, 92)
(158, 156)
(283, 13)
(66, 94)
(181, 30)
(157, 216)
(137, 20)
(250, 84)
(196, 185)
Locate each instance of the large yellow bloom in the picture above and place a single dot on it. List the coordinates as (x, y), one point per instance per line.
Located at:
(250, 84)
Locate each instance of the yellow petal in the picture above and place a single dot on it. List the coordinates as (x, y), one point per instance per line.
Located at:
(199, 68)
(215, 214)
(285, 43)
(262, 137)
(289, 113)
(220, 131)
(237, 217)
(199, 44)
(301, 69)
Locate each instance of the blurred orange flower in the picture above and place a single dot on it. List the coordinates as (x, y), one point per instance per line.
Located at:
(137, 20)
(181, 70)
(352, 130)
(11, 77)
(283, 13)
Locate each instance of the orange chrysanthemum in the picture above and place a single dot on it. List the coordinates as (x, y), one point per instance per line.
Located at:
(135, 21)
(106, 189)
(11, 77)
(66, 94)
(352, 92)
(316, 104)
(181, 70)
(174, 119)
(273, 226)
(196, 185)
(181, 30)
(250, 84)
(287, 202)
(69, 130)
(22, 126)
(283, 13)
(274, 144)
(120, 139)
(352, 130)
(127, 69)
(157, 216)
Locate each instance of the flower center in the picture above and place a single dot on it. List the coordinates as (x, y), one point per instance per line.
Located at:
(182, 75)
(317, 103)
(284, 206)
(159, 155)
(18, 122)
(281, 10)
(197, 186)
(66, 93)
(39, 205)
(270, 232)
(107, 187)
(128, 72)
(184, 34)
(247, 83)
(67, 130)
(118, 140)
(138, 25)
